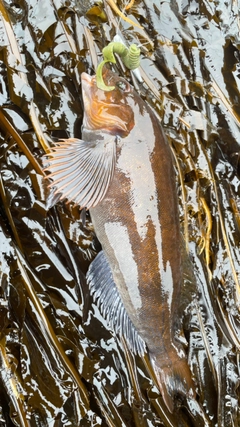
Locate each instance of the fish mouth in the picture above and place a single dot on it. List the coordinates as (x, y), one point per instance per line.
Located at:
(100, 111)
(91, 118)
(86, 80)
(87, 83)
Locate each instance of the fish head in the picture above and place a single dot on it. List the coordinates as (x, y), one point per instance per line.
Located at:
(111, 111)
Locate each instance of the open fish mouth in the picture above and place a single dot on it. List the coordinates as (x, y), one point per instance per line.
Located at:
(86, 82)
(86, 91)
(86, 78)
(102, 111)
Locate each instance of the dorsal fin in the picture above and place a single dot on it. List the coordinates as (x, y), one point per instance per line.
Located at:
(81, 171)
(106, 295)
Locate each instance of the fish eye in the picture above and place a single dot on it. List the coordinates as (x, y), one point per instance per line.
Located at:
(123, 86)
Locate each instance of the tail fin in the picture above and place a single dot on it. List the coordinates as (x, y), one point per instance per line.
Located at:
(174, 378)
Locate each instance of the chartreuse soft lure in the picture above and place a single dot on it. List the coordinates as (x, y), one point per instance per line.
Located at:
(130, 57)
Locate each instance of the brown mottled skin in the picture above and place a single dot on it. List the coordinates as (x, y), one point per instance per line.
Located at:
(139, 129)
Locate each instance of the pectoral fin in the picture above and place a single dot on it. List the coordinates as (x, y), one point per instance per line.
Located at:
(105, 293)
(81, 171)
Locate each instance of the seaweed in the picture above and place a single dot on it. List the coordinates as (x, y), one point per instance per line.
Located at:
(60, 363)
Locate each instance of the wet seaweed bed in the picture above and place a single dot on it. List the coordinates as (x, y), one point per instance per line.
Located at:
(60, 364)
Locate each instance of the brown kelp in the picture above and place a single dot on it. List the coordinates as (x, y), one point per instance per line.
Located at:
(189, 66)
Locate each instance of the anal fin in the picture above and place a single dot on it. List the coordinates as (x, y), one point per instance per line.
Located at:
(107, 297)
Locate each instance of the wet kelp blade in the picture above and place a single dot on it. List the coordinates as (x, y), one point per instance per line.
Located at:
(174, 68)
(12, 385)
(48, 330)
(120, 13)
(28, 372)
(13, 52)
(8, 213)
(9, 129)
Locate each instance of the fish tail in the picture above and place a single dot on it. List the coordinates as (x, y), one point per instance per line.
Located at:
(174, 380)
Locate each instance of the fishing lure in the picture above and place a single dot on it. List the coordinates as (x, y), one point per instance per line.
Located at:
(130, 57)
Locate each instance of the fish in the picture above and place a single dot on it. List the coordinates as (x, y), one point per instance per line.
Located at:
(122, 171)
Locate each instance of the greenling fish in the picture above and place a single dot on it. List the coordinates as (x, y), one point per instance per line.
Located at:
(122, 171)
